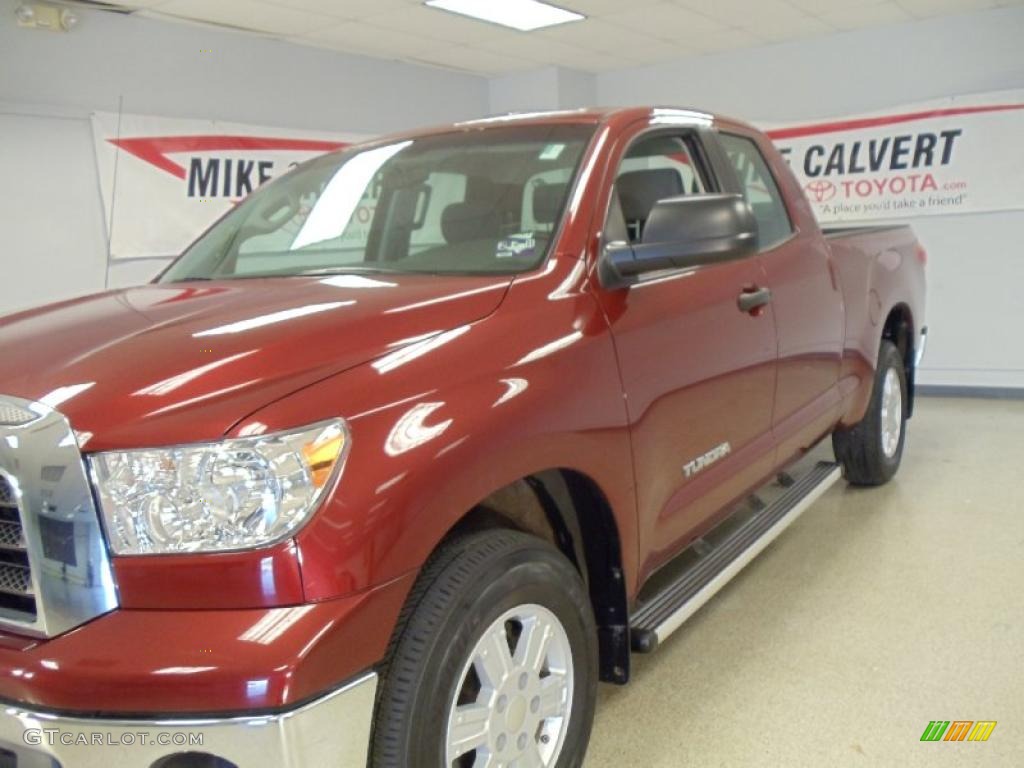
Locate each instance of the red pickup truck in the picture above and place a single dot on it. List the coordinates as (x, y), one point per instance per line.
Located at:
(421, 440)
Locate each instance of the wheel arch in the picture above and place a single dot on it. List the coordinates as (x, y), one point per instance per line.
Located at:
(568, 509)
(899, 329)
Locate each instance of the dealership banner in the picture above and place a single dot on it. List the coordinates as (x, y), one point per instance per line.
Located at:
(166, 180)
(957, 155)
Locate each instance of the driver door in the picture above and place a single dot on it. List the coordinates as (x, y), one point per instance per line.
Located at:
(698, 373)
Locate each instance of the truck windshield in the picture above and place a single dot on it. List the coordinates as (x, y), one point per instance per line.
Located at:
(473, 202)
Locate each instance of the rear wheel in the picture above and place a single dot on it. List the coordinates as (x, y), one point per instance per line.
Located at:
(494, 662)
(871, 451)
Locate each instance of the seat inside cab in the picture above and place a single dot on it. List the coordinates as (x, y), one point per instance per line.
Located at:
(653, 169)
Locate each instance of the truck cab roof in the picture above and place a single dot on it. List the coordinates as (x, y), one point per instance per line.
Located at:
(618, 116)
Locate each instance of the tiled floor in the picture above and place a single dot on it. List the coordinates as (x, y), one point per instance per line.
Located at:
(877, 611)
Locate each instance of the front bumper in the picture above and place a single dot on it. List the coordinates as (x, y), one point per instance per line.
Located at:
(332, 731)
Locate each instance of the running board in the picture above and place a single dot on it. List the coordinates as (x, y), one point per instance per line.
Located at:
(713, 566)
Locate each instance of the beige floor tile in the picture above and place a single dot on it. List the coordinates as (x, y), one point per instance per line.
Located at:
(877, 611)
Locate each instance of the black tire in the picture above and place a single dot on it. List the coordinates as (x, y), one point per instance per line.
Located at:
(860, 448)
(465, 587)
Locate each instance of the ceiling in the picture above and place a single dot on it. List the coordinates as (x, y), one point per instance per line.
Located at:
(615, 34)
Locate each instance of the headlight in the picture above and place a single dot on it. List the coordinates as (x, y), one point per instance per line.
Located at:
(235, 494)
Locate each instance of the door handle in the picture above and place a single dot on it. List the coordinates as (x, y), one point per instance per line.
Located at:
(752, 299)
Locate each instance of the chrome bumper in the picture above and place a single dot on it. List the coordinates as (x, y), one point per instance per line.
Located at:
(330, 732)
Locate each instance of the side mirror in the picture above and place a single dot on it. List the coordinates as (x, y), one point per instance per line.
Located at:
(682, 232)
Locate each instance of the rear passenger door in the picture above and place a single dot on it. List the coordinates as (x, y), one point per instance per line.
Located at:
(698, 373)
(806, 295)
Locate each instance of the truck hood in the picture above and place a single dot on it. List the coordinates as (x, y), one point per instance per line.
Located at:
(177, 363)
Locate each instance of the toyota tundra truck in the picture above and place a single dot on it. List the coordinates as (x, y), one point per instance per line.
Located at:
(423, 439)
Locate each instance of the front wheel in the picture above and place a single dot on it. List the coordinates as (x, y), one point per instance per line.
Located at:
(494, 662)
(870, 452)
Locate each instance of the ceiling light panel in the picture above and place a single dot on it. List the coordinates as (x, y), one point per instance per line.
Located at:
(524, 15)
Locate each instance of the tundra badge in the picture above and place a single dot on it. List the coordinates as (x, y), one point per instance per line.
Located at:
(691, 468)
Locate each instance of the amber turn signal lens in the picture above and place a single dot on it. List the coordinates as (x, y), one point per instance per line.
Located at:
(322, 455)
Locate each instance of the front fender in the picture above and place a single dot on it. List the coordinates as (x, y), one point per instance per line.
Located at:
(438, 427)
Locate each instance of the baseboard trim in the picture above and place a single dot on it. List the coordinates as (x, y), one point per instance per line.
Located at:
(988, 393)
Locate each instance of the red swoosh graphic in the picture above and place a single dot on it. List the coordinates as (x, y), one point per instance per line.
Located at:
(154, 149)
(874, 122)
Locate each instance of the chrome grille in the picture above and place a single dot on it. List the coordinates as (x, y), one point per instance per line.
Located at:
(15, 416)
(55, 572)
(15, 580)
(11, 535)
(17, 598)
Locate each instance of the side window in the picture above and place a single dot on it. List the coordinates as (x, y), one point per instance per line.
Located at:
(653, 169)
(760, 189)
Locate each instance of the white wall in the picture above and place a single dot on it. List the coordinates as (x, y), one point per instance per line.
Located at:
(51, 217)
(52, 234)
(976, 263)
(525, 91)
(547, 88)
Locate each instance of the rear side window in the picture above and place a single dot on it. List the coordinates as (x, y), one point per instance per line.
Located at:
(760, 189)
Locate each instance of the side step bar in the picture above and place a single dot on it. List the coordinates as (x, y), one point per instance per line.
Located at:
(663, 614)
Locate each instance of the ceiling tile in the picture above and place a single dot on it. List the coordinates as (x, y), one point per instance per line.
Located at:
(659, 50)
(439, 24)
(730, 40)
(359, 37)
(344, 9)
(792, 30)
(923, 9)
(744, 13)
(662, 48)
(872, 16)
(591, 61)
(615, 35)
(666, 21)
(534, 48)
(542, 52)
(131, 4)
(470, 59)
(590, 34)
(600, 7)
(821, 7)
(247, 14)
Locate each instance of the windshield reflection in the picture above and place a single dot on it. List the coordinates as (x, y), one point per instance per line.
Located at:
(466, 202)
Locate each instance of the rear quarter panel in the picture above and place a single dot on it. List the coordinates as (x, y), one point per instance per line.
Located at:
(879, 270)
